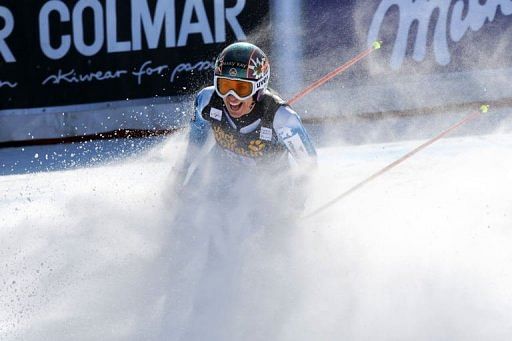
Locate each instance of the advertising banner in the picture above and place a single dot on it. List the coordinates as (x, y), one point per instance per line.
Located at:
(434, 52)
(69, 52)
(419, 36)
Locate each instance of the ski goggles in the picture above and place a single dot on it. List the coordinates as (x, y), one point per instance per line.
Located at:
(241, 89)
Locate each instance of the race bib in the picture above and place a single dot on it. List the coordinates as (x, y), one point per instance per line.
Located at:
(216, 114)
(266, 134)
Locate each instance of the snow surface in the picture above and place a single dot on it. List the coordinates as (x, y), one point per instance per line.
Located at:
(106, 253)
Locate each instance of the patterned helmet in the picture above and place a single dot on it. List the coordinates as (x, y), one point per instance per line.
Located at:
(244, 61)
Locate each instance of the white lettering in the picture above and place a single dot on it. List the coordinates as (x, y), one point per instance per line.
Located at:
(5, 32)
(165, 12)
(422, 11)
(187, 67)
(147, 26)
(201, 26)
(9, 84)
(410, 11)
(231, 17)
(44, 29)
(476, 16)
(78, 27)
(145, 70)
(113, 45)
(220, 21)
(73, 77)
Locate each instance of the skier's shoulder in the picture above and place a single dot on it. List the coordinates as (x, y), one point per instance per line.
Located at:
(269, 103)
(270, 95)
(204, 97)
(283, 116)
(202, 100)
(286, 117)
(289, 128)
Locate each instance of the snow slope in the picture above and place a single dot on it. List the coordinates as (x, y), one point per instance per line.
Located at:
(423, 253)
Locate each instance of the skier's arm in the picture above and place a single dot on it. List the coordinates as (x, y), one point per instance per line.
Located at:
(200, 137)
(294, 136)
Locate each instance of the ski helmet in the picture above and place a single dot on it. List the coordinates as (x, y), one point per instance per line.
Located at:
(244, 61)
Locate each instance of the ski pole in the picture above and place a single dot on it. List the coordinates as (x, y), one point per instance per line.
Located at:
(375, 46)
(470, 117)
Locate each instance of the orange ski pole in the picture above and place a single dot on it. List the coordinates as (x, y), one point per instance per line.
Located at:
(470, 117)
(375, 46)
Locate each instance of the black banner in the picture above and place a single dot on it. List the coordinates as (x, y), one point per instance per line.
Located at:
(66, 52)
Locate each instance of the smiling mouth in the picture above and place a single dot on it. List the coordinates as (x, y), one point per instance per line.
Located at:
(235, 107)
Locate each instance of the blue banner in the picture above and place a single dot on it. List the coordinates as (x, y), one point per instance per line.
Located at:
(420, 36)
(435, 54)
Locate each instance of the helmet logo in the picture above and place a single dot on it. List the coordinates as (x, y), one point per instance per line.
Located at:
(258, 68)
(233, 72)
(219, 65)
